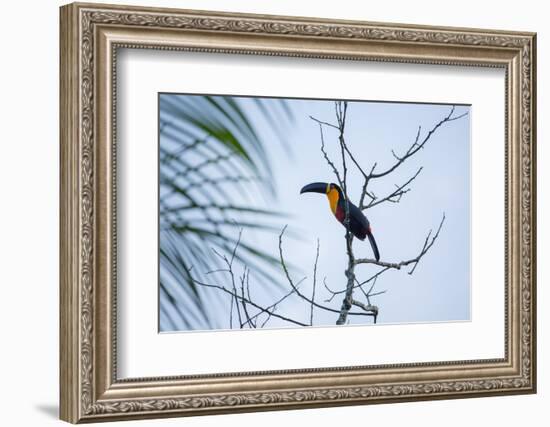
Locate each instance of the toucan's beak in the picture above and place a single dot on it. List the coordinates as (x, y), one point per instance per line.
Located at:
(315, 187)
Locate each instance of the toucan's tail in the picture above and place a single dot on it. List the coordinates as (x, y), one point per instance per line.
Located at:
(374, 246)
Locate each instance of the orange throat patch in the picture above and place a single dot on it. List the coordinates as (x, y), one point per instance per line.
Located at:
(333, 197)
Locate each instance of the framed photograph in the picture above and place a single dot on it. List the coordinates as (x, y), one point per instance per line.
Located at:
(267, 212)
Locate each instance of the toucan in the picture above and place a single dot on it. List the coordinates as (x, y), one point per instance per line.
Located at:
(358, 225)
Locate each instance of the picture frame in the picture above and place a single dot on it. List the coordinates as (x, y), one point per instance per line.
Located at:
(92, 36)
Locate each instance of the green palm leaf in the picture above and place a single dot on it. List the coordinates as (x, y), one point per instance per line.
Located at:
(210, 151)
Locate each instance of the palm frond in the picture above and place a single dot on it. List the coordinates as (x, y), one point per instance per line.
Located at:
(215, 179)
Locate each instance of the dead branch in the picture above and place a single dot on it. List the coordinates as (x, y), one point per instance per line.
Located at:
(244, 279)
(314, 284)
(327, 158)
(395, 196)
(298, 292)
(269, 311)
(241, 301)
(428, 243)
(358, 285)
(416, 145)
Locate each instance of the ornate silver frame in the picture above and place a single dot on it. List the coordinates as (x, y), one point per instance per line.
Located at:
(90, 36)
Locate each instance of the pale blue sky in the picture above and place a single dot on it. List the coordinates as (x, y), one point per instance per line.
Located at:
(439, 289)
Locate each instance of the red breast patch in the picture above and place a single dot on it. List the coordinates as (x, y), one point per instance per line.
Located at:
(340, 214)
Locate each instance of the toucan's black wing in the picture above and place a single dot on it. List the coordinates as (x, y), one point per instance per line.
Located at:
(359, 224)
(360, 227)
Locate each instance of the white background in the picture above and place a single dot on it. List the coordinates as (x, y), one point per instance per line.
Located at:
(29, 170)
(145, 353)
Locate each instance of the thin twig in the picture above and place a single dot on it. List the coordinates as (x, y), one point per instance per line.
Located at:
(245, 278)
(273, 306)
(297, 291)
(253, 304)
(324, 123)
(428, 243)
(327, 158)
(314, 284)
(395, 196)
(417, 146)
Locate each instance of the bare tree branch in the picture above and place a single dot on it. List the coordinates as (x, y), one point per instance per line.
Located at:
(271, 311)
(327, 158)
(341, 109)
(428, 243)
(297, 291)
(245, 279)
(229, 264)
(243, 299)
(323, 123)
(314, 284)
(393, 197)
(416, 146)
(358, 285)
(365, 192)
(368, 308)
(272, 307)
